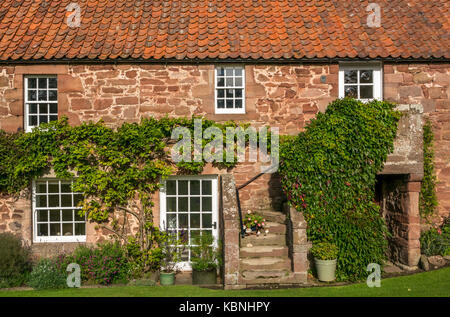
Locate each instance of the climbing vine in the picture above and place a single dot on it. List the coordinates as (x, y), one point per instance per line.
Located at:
(428, 199)
(329, 173)
(117, 170)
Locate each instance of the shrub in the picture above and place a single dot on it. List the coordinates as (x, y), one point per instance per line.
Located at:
(254, 222)
(105, 264)
(324, 251)
(205, 256)
(436, 241)
(46, 275)
(329, 173)
(15, 261)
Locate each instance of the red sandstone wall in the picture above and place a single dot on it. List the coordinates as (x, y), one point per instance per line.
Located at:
(283, 96)
(429, 85)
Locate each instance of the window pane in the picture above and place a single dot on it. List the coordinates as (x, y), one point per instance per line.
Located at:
(238, 81)
(195, 235)
(52, 95)
(32, 95)
(229, 72)
(80, 229)
(171, 221)
(42, 94)
(33, 121)
(229, 104)
(171, 203)
(195, 220)
(183, 203)
(55, 215)
(366, 76)
(55, 229)
(43, 108)
(31, 82)
(238, 71)
(33, 108)
(220, 103)
(229, 93)
(41, 201)
(183, 187)
(350, 76)
(220, 71)
(53, 118)
(220, 82)
(67, 215)
(238, 103)
(220, 93)
(206, 204)
(52, 82)
(41, 187)
(42, 215)
(42, 229)
(66, 201)
(66, 188)
(67, 229)
(182, 221)
(206, 221)
(238, 93)
(53, 200)
(171, 187)
(42, 82)
(366, 92)
(229, 82)
(195, 187)
(43, 119)
(195, 204)
(351, 91)
(206, 187)
(53, 108)
(53, 188)
(76, 199)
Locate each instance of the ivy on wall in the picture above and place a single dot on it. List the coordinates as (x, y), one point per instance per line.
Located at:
(118, 170)
(329, 173)
(428, 200)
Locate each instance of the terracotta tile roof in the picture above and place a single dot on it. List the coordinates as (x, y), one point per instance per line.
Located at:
(223, 29)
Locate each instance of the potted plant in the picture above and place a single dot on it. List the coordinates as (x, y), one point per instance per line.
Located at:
(325, 256)
(204, 260)
(254, 224)
(171, 248)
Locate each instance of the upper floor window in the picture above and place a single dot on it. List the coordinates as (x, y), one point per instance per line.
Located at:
(55, 212)
(360, 81)
(230, 89)
(41, 100)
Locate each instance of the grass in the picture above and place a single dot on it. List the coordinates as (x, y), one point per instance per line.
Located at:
(433, 283)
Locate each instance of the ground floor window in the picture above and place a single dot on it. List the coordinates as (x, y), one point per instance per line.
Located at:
(189, 206)
(55, 212)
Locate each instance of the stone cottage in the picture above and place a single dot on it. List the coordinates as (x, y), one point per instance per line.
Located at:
(274, 63)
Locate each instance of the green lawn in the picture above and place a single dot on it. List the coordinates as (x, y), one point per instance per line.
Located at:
(435, 283)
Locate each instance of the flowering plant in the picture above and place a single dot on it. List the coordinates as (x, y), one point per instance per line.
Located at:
(254, 223)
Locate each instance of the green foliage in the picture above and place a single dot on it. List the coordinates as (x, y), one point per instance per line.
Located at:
(205, 256)
(172, 248)
(329, 173)
(45, 275)
(105, 264)
(325, 251)
(436, 241)
(15, 261)
(428, 199)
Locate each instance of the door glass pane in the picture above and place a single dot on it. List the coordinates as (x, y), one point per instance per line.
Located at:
(195, 204)
(206, 204)
(171, 204)
(206, 220)
(183, 204)
(206, 187)
(183, 221)
(195, 220)
(171, 221)
(171, 187)
(195, 187)
(183, 187)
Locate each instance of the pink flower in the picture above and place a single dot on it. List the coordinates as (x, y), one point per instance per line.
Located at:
(439, 231)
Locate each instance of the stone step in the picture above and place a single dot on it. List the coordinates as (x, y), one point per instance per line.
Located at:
(263, 250)
(265, 263)
(272, 277)
(275, 227)
(272, 215)
(269, 239)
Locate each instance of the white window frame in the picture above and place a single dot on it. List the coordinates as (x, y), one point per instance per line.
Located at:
(377, 69)
(41, 239)
(186, 265)
(27, 126)
(229, 110)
